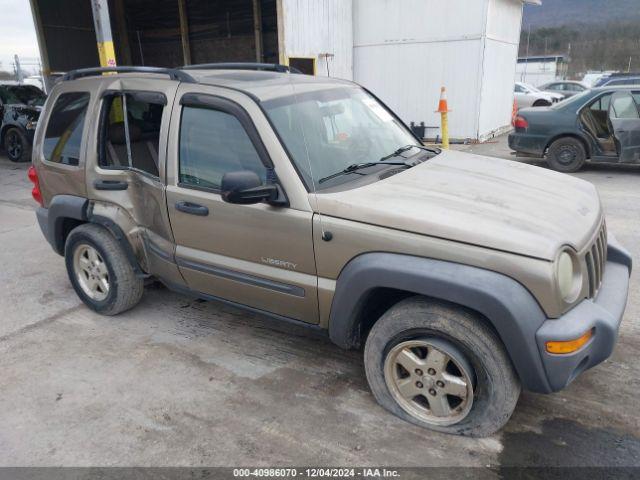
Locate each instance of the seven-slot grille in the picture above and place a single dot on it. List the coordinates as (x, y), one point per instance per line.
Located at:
(596, 259)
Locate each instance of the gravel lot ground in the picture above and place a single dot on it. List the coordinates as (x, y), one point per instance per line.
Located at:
(189, 383)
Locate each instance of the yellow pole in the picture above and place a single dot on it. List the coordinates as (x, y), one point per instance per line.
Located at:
(443, 110)
(102, 26)
(106, 52)
(445, 130)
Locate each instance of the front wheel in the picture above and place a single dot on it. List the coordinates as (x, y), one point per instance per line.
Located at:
(16, 145)
(441, 367)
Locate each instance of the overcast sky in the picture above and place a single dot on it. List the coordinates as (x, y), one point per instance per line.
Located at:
(17, 33)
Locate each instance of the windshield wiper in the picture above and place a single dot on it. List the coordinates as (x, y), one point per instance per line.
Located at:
(406, 148)
(359, 166)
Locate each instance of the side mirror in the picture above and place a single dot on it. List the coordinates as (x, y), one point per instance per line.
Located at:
(245, 188)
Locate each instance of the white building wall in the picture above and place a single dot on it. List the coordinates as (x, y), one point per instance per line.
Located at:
(405, 50)
(504, 18)
(315, 27)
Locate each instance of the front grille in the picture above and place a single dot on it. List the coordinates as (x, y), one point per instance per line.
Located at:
(596, 259)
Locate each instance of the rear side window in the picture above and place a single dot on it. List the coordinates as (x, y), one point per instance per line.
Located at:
(131, 132)
(213, 143)
(63, 136)
(602, 103)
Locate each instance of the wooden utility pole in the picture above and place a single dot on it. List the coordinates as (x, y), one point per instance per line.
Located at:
(184, 32)
(257, 29)
(124, 46)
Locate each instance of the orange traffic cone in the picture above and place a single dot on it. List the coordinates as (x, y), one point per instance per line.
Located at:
(443, 107)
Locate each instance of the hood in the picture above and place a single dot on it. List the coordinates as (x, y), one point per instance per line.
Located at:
(499, 204)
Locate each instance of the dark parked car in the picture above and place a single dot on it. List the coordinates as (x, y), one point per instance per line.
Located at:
(20, 107)
(601, 125)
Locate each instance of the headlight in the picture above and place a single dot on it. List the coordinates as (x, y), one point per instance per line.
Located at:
(568, 275)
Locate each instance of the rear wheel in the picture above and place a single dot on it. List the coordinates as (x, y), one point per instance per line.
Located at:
(541, 103)
(439, 366)
(100, 272)
(567, 155)
(16, 145)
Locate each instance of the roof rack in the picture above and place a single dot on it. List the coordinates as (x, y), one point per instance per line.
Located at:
(174, 74)
(267, 67)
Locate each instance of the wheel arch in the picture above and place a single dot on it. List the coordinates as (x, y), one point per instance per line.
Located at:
(8, 126)
(67, 212)
(507, 306)
(585, 143)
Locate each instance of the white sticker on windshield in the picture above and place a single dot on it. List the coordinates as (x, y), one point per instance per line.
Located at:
(378, 109)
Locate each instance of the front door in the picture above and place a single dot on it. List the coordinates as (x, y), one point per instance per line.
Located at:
(259, 256)
(624, 115)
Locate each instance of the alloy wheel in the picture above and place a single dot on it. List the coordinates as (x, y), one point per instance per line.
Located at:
(92, 272)
(431, 380)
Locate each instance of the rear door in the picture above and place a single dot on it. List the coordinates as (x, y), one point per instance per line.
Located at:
(129, 168)
(624, 115)
(260, 256)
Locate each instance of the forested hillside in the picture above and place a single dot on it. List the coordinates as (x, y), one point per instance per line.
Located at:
(557, 13)
(594, 34)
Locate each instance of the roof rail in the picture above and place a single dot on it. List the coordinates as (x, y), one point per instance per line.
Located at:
(174, 74)
(268, 67)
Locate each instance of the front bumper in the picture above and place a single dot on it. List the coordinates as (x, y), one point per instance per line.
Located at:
(603, 315)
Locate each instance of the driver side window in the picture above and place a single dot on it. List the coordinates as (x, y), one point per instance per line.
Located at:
(213, 143)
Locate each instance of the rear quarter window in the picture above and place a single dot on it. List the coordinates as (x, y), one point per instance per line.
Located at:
(63, 136)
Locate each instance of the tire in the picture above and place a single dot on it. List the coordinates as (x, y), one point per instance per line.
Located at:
(492, 389)
(541, 103)
(566, 155)
(16, 145)
(91, 251)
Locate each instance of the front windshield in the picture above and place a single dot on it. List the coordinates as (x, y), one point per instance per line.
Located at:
(342, 126)
(22, 95)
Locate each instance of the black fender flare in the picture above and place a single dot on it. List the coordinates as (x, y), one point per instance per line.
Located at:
(63, 207)
(52, 219)
(506, 304)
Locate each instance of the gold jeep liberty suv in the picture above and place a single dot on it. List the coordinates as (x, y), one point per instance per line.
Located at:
(463, 278)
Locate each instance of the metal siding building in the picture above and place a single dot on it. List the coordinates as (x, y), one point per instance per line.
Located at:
(539, 70)
(403, 50)
(313, 29)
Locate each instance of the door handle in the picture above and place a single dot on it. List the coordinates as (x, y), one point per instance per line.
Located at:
(192, 208)
(110, 185)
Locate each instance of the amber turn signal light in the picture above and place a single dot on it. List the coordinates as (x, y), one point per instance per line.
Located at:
(569, 346)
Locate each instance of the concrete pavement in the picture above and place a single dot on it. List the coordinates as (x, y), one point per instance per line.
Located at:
(183, 382)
